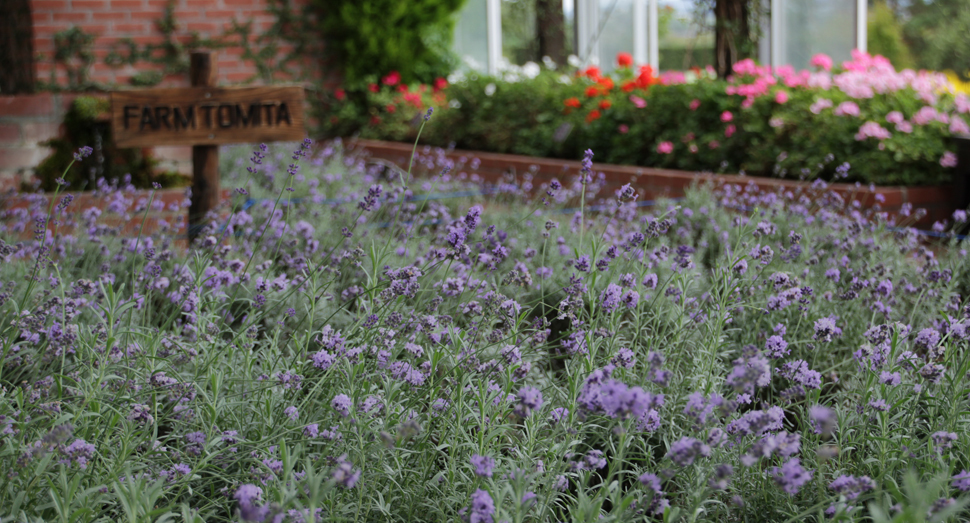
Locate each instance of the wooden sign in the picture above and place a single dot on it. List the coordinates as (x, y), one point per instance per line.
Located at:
(207, 115)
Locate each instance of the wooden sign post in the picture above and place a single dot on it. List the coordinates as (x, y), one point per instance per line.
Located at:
(205, 116)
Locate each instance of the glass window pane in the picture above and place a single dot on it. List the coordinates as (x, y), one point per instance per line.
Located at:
(471, 36)
(519, 41)
(686, 35)
(615, 31)
(817, 26)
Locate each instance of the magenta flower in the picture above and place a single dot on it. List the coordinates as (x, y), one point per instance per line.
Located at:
(822, 61)
(781, 97)
(726, 116)
(665, 148)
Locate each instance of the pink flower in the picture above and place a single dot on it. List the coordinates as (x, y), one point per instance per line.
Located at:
(904, 127)
(895, 117)
(624, 128)
(958, 126)
(948, 160)
(847, 108)
(665, 147)
(637, 101)
(714, 144)
(781, 97)
(726, 116)
(695, 103)
(822, 61)
(925, 115)
(872, 130)
(729, 130)
(821, 103)
(693, 148)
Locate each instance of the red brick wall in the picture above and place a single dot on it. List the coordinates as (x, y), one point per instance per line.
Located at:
(112, 20)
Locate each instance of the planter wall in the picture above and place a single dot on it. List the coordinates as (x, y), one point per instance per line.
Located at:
(651, 183)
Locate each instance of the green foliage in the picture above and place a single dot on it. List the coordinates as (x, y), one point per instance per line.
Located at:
(940, 33)
(72, 50)
(524, 116)
(85, 126)
(884, 36)
(372, 37)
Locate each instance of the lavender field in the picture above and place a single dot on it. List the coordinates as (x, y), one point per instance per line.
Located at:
(352, 342)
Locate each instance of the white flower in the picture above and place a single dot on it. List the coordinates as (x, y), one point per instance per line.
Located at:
(574, 61)
(531, 70)
(489, 89)
(565, 79)
(546, 61)
(454, 104)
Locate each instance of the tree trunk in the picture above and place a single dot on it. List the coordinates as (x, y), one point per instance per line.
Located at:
(551, 30)
(730, 33)
(17, 74)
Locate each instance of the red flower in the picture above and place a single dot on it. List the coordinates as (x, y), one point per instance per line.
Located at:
(605, 104)
(390, 108)
(572, 102)
(646, 78)
(439, 84)
(628, 86)
(373, 88)
(593, 115)
(624, 59)
(592, 91)
(592, 72)
(402, 88)
(606, 82)
(375, 120)
(340, 94)
(392, 78)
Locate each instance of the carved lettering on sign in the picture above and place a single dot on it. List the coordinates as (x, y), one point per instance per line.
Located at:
(201, 116)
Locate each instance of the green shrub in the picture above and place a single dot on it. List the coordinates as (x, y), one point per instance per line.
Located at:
(370, 37)
(84, 126)
(627, 116)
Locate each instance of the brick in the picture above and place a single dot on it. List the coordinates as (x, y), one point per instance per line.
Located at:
(10, 134)
(72, 16)
(109, 16)
(22, 157)
(27, 105)
(134, 5)
(238, 77)
(203, 27)
(42, 16)
(36, 132)
(240, 3)
(131, 27)
(48, 5)
(90, 4)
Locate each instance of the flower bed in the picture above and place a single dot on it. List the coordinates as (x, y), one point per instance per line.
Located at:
(354, 346)
(891, 127)
(938, 202)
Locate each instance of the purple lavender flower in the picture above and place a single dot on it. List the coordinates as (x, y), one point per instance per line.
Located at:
(776, 347)
(721, 477)
(530, 399)
(344, 474)
(141, 414)
(341, 403)
(312, 430)
(961, 481)
(943, 440)
(826, 330)
(684, 451)
(483, 465)
(850, 486)
(482, 507)
(79, 452)
(292, 412)
(791, 476)
(657, 502)
(748, 373)
(824, 420)
(558, 414)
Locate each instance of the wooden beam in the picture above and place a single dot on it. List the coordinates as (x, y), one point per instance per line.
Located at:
(205, 158)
